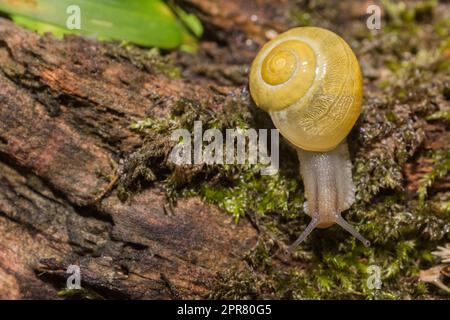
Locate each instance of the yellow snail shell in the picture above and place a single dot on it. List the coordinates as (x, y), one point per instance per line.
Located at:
(310, 82)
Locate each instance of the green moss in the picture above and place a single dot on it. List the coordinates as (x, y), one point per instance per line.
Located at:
(150, 163)
(441, 167)
(401, 14)
(247, 191)
(303, 18)
(85, 294)
(439, 115)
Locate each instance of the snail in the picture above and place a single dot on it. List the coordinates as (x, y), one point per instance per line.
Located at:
(309, 81)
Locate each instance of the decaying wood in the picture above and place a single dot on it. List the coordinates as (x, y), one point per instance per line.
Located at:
(66, 107)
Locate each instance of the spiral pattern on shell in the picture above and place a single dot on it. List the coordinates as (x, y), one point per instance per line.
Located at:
(309, 81)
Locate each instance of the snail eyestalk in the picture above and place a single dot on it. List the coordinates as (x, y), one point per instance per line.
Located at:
(347, 226)
(311, 226)
(340, 221)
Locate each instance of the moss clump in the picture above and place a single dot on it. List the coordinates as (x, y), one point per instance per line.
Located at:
(150, 162)
(401, 15)
(441, 167)
(83, 294)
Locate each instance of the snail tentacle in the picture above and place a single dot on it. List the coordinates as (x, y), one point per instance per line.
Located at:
(348, 227)
(311, 226)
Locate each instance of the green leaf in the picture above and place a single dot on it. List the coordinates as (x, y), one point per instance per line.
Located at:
(41, 27)
(144, 22)
(190, 20)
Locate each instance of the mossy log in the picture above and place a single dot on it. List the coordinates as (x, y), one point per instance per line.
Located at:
(80, 186)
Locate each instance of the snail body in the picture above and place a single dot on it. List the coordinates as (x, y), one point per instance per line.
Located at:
(309, 81)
